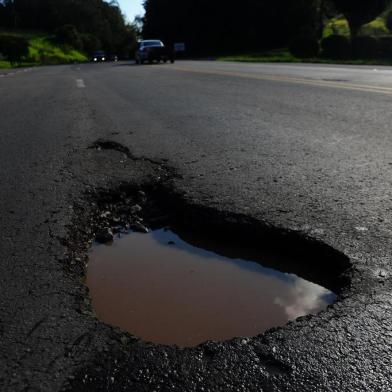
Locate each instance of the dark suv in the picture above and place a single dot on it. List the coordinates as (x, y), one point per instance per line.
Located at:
(153, 50)
(98, 56)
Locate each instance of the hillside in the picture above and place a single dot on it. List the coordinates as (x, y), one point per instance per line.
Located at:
(44, 51)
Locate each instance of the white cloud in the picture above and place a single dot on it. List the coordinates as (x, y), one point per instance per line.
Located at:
(303, 298)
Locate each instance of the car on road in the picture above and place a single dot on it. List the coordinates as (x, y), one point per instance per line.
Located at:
(153, 50)
(99, 56)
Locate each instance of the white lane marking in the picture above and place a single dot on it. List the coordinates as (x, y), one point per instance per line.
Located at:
(80, 83)
(4, 75)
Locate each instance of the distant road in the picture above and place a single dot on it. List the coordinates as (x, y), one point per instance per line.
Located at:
(333, 76)
(304, 147)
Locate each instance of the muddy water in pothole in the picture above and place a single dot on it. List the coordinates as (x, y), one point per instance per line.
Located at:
(164, 290)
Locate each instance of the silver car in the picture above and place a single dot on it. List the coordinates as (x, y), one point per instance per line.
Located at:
(153, 50)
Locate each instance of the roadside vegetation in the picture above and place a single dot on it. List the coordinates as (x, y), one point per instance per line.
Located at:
(339, 26)
(368, 44)
(42, 49)
(334, 27)
(284, 56)
(61, 31)
(321, 31)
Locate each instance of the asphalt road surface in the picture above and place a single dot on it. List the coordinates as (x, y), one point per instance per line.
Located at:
(301, 147)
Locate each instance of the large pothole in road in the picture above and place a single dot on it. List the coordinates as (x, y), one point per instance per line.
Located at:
(197, 275)
(166, 290)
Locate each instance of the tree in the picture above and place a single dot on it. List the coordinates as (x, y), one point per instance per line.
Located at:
(68, 35)
(360, 12)
(219, 26)
(137, 26)
(13, 47)
(100, 19)
(336, 47)
(8, 15)
(304, 46)
(389, 21)
(90, 43)
(3, 14)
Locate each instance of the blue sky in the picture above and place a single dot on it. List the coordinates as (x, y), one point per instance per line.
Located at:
(131, 8)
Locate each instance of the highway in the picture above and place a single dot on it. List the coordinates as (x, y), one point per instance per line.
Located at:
(300, 147)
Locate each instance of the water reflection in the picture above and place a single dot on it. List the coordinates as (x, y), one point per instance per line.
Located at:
(164, 290)
(303, 298)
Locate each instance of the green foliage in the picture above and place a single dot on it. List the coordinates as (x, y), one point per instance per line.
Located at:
(336, 26)
(335, 47)
(4, 64)
(43, 50)
(68, 35)
(339, 26)
(364, 47)
(13, 47)
(375, 28)
(275, 56)
(99, 18)
(361, 12)
(304, 46)
(285, 57)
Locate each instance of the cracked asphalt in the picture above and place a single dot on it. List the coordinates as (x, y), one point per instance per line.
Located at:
(298, 148)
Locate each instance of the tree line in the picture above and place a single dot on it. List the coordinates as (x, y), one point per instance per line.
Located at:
(206, 26)
(211, 26)
(87, 24)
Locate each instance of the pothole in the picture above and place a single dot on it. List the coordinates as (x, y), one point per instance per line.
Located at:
(166, 290)
(200, 275)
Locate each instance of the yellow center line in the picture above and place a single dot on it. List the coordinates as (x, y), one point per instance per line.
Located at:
(289, 79)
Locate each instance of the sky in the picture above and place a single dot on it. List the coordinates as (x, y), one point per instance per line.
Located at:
(131, 8)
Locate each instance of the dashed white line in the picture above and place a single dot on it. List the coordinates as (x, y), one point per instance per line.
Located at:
(80, 83)
(4, 75)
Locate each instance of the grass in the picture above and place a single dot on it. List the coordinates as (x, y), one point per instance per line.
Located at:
(284, 56)
(43, 51)
(4, 64)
